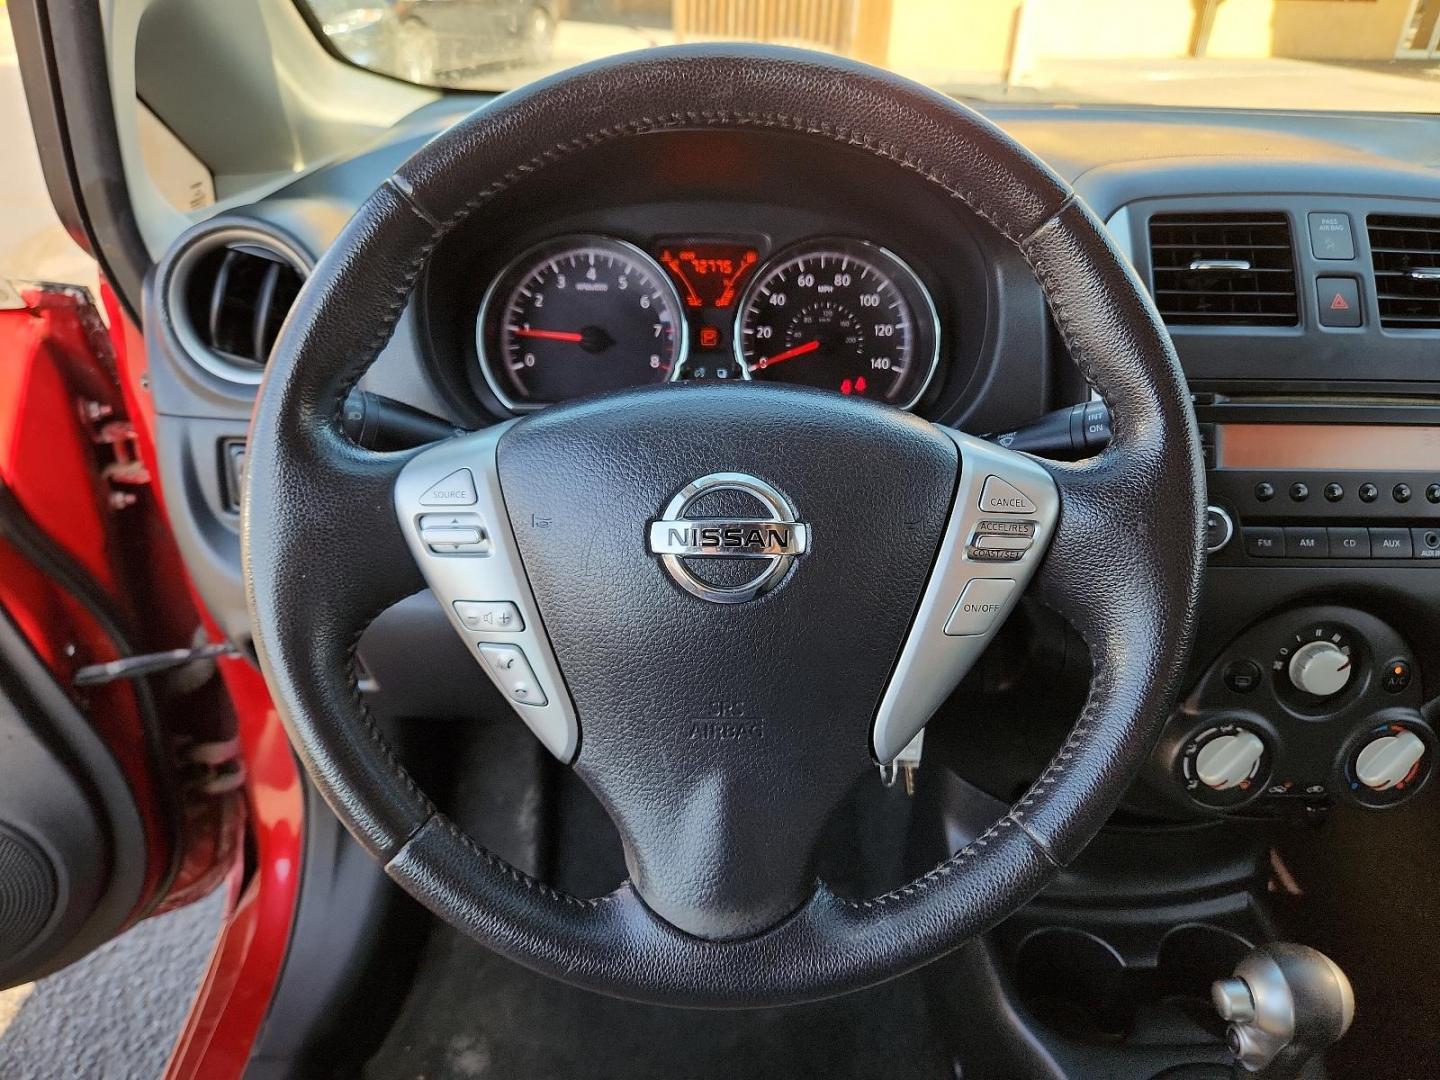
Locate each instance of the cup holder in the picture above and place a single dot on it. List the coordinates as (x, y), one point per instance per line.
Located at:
(1081, 986)
(1075, 983)
(1192, 957)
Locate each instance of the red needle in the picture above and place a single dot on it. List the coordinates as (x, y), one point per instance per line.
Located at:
(548, 335)
(789, 354)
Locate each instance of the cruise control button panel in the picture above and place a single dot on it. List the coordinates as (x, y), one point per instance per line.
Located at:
(472, 564)
(1001, 522)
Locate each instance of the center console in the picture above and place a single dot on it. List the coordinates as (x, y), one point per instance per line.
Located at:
(1304, 699)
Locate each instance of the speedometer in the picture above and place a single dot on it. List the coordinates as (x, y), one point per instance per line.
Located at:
(844, 315)
(578, 315)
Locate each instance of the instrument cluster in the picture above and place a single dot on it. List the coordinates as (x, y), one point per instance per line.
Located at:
(580, 314)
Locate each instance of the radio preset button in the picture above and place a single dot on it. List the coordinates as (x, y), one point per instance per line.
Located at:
(1299, 491)
(1432, 493)
(1401, 493)
(1306, 542)
(1349, 543)
(1334, 492)
(1264, 491)
(1390, 544)
(1369, 493)
(1264, 541)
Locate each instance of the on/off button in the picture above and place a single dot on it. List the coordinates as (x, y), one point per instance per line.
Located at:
(980, 603)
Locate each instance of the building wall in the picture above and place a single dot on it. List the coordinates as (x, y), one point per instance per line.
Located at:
(988, 37)
(1339, 29)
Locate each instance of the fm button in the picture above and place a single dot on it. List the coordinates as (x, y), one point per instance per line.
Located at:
(999, 496)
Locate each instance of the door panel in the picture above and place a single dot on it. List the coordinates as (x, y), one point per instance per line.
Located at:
(116, 798)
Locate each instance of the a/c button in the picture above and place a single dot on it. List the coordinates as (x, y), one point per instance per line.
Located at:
(979, 604)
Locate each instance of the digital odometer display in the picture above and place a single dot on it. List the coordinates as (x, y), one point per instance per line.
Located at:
(842, 315)
(708, 273)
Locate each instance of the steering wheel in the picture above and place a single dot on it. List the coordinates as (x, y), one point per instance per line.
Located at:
(704, 605)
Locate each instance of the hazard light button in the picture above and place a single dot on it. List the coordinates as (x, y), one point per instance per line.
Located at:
(1339, 299)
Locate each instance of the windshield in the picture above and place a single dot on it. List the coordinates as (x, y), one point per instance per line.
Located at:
(1366, 55)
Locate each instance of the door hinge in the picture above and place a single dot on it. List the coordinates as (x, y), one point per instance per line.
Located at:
(125, 471)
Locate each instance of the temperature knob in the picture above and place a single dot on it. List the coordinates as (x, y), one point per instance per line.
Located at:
(1227, 761)
(1320, 668)
(1388, 760)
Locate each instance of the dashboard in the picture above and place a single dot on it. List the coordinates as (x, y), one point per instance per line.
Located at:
(717, 257)
(1295, 259)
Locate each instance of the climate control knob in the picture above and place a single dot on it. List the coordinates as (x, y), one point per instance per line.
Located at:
(1227, 761)
(1387, 761)
(1320, 668)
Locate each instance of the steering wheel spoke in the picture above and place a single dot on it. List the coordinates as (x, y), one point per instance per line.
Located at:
(1001, 523)
(453, 514)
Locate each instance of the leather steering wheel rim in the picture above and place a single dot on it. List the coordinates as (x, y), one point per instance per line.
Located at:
(1123, 568)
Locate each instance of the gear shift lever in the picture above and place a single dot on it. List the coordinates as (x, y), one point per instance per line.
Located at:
(1286, 1004)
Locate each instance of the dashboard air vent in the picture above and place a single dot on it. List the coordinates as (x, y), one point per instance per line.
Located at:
(230, 287)
(1224, 269)
(1406, 253)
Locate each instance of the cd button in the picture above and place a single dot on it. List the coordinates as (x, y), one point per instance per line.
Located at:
(1349, 543)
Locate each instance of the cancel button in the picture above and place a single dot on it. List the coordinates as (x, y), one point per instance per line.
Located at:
(979, 604)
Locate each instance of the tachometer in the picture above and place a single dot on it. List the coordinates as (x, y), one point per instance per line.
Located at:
(840, 314)
(578, 315)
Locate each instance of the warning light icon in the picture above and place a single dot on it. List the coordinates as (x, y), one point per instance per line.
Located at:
(1339, 303)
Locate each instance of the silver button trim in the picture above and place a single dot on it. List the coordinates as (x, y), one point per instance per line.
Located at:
(537, 690)
(932, 662)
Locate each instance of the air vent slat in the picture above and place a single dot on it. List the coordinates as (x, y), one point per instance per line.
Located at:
(237, 295)
(1400, 244)
(259, 345)
(1258, 291)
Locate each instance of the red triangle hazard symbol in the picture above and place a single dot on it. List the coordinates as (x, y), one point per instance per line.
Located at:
(1339, 304)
